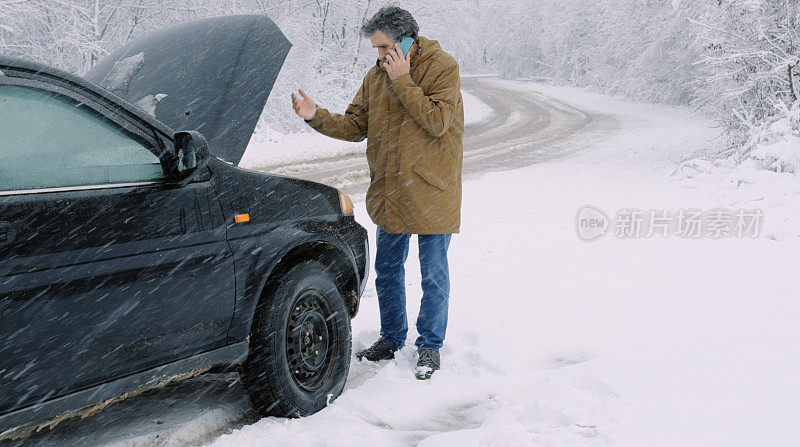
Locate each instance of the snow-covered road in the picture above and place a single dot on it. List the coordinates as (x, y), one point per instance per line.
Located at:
(520, 130)
(553, 340)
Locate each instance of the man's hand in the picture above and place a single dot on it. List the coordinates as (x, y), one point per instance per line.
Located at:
(305, 107)
(397, 65)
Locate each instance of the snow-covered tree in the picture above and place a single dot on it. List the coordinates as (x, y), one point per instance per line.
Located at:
(750, 75)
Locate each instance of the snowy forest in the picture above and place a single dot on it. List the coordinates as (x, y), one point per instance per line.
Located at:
(735, 60)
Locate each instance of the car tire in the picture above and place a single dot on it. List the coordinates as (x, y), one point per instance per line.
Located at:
(300, 344)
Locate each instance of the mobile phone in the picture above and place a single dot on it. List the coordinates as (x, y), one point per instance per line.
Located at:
(405, 45)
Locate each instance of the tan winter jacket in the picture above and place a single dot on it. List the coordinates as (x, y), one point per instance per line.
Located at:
(414, 127)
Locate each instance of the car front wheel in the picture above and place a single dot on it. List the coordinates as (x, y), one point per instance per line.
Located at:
(299, 344)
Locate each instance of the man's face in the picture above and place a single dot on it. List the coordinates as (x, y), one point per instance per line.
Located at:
(382, 42)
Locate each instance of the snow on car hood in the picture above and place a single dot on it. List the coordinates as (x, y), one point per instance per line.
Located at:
(212, 76)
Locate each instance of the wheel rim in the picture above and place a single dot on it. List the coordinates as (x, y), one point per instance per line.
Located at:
(308, 340)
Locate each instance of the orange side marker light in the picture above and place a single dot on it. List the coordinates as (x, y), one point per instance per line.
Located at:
(345, 203)
(240, 218)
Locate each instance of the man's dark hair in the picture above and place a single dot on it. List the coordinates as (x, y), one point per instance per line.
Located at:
(395, 22)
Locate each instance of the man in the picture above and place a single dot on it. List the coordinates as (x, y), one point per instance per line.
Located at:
(410, 110)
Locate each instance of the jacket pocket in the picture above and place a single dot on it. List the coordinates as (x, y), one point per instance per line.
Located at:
(429, 176)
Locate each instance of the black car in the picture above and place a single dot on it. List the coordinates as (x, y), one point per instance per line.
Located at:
(132, 254)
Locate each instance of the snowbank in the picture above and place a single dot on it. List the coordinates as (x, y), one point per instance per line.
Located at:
(777, 146)
(475, 110)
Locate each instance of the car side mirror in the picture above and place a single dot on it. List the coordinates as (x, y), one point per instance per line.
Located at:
(191, 155)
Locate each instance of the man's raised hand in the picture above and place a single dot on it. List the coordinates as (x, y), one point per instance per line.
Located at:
(305, 107)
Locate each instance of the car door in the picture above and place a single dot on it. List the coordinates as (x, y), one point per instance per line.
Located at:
(106, 266)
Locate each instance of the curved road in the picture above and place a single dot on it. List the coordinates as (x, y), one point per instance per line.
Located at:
(525, 128)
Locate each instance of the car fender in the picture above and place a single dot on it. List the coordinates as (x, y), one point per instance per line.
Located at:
(256, 259)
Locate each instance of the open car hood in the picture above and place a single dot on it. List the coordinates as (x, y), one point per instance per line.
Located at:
(213, 76)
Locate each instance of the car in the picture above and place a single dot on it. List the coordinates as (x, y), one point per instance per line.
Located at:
(134, 251)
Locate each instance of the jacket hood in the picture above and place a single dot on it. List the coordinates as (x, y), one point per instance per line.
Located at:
(427, 48)
(212, 76)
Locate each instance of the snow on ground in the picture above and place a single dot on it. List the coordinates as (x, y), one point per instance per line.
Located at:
(553, 340)
(475, 110)
(269, 147)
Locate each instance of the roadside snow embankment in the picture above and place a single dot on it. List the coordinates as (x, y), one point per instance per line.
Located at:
(475, 110)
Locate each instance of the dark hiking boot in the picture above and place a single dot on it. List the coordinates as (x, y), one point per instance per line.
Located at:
(380, 350)
(428, 363)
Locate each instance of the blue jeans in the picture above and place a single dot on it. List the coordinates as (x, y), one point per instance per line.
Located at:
(390, 258)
